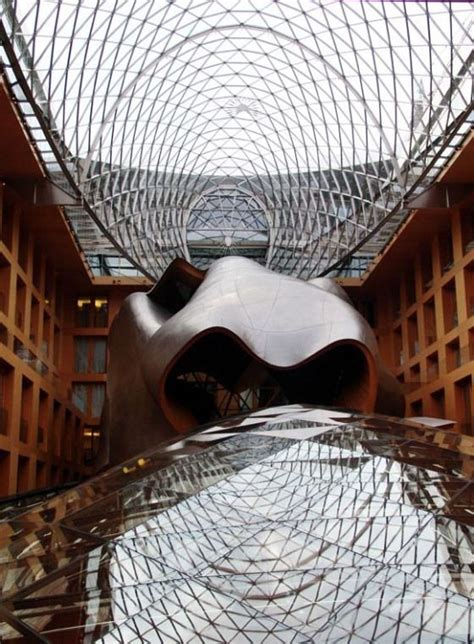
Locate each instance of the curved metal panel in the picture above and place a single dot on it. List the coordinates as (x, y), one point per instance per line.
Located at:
(200, 346)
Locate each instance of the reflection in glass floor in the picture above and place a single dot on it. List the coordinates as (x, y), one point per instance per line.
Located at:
(293, 524)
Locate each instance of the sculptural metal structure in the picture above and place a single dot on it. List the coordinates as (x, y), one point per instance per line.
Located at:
(204, 345)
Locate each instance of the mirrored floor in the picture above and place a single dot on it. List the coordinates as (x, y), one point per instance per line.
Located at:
(293, 524)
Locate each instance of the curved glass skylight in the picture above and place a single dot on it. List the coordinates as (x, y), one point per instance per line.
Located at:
(226, 221)
(326, 112)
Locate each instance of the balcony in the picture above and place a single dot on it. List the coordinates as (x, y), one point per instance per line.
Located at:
(29, 358)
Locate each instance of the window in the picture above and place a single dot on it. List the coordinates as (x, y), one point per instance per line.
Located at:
(416, 408)
(79, 396)
(23, 474)
(438, 408)
(34, 320)
(99, 355)
(453, 355)
(467, 230)
(23, 249)
(90, 355)
(6, 225)
(432, 366)
(91, 444)
(415, 373)
(20, 303)
(89, 397)
(101, 312)
(427, 270)
(81, 357)
(469, 288)
(464, 406)
(46, 334)
(92, 312)
(26, 409)
(83, 311)
(430, 322)
(410, 288)
(43, 418)
(446, 252)
(5, 271)
(6, 388)
(37, 267)
(41, 474)
(98, 398)
(449, 306)
(413, 342)
(4, 472)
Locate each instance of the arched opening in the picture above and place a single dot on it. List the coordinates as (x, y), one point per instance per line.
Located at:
(217, 376)
(227, 221)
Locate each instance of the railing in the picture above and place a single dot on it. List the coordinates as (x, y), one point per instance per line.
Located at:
(13, 505)
(29, 358)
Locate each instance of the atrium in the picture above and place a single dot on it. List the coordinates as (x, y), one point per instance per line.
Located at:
(257, 215)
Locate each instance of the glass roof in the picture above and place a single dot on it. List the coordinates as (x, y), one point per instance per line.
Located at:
(226, 221)
(292, 524)
(327, 112)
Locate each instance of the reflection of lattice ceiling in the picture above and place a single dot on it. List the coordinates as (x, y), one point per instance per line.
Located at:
(327, 112)
(290, 525)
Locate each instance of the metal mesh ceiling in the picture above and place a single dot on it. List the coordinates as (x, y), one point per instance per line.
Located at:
(325, 114)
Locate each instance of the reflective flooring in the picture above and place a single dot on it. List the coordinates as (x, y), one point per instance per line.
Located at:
(293, 524)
